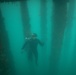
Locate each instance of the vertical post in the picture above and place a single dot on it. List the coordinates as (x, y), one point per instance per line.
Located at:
(43, 26)
(58, 28)
(5, 54)
(25, 18)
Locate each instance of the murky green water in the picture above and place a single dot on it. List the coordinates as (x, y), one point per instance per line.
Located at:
(14, 26)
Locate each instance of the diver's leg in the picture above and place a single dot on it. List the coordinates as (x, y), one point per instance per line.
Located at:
(30, 56)
(36, 57)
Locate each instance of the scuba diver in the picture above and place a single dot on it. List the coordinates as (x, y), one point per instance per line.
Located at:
(31, 45)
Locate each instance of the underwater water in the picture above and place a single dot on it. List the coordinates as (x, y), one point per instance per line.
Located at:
(54, 58)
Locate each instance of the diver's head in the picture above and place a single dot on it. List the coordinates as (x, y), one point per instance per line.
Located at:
(34, 35)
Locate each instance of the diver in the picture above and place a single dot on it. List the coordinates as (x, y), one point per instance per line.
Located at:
(31, 45)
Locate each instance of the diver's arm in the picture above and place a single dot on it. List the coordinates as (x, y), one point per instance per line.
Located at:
(24, 45)
(41, 43)
(26, 41)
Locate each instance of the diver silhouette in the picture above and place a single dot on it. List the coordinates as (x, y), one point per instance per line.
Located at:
(31, 45)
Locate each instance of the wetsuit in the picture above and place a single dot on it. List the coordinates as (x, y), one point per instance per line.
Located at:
(32, 45)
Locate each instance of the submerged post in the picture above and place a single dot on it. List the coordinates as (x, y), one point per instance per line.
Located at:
(59, 20)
